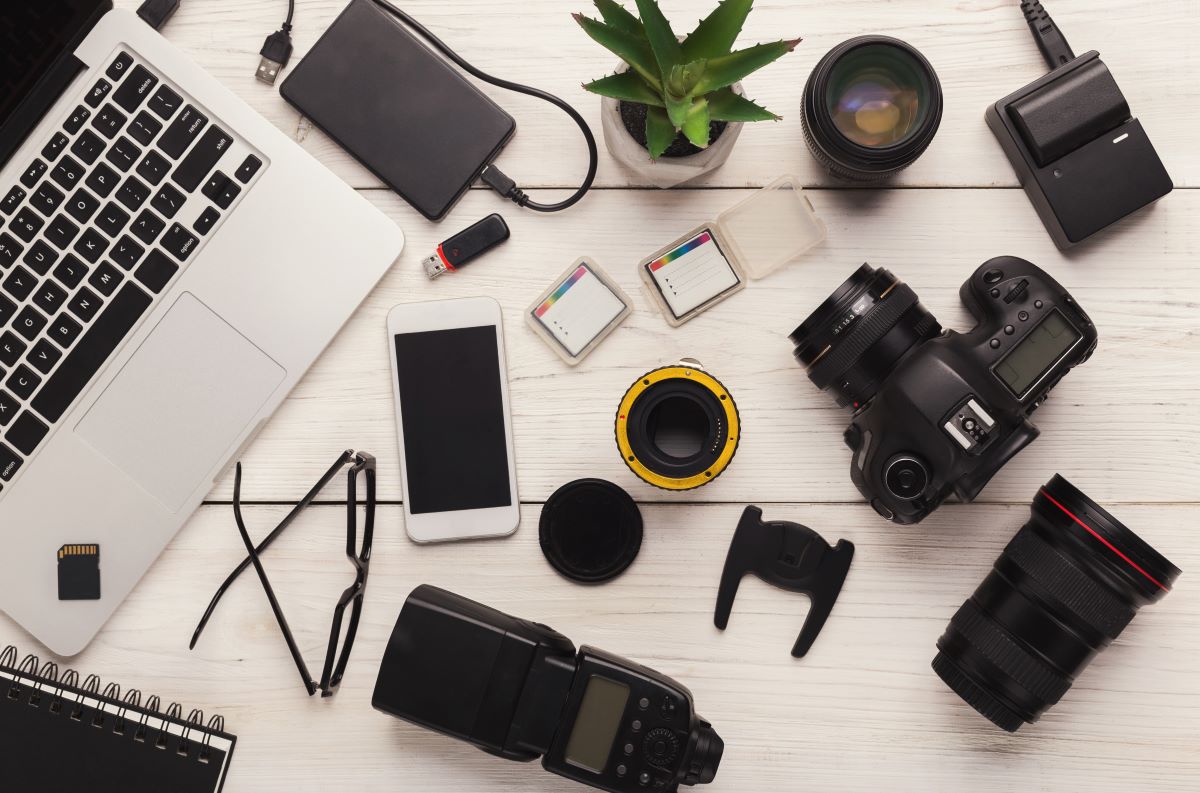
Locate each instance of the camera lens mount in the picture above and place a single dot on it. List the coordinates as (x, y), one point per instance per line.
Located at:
(856, 337)
(1067, 585)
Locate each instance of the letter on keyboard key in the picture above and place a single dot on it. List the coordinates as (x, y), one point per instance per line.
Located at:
(92, 351)
(26, 433)
(157, 271)
(202, 159)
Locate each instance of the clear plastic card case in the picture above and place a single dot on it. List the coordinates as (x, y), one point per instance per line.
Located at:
(578, 311)
(747, 241)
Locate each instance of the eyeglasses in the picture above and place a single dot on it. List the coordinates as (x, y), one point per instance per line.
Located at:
(361, 464)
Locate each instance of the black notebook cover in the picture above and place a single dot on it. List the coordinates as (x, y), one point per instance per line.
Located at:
(58, 735)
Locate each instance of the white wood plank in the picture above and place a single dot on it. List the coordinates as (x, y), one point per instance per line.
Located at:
(1123, 423)
(981, 49)
(863, 712)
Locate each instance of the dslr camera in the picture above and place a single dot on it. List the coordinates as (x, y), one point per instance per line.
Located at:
(939, 412)
(519, 690)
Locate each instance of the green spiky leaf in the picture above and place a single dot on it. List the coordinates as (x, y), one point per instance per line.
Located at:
(660, 132)
(715, 34)
(626, 86)
(632, 49)
(725, 105)
(619, 17)
(663, 41)
(678, 109)
(728, 69)
(682, 80)
(696, 126)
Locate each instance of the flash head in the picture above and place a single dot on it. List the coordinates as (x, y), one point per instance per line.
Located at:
(519, 690)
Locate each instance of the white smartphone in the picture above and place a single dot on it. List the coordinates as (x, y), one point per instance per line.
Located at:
(450, 386)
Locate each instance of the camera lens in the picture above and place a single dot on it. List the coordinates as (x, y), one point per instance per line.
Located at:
(906, 477)
(1064, 588)
(855, 338)
(871, 107)
(677, 427)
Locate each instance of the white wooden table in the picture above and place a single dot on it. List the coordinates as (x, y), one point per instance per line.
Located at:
(863, 712)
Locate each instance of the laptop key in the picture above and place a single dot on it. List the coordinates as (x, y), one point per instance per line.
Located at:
(112, 219)
(85, 304)
(135, 89)
(47, 199)
(103, 180)
(64, 330)
(9, 463)
(8, 408)
(91, 245)
(55, 147)
(206, 221)
(61, 232)
(133, 193)
(20, 283)
(88, 147)
(29, 323)
(71, 272)
(153, 167)
(50, 296)
(157, 271)
(147, 227)
(179, 242)
(92, 351)
(168, 201)
(119, 67)
(41, 258)
(123, 154)
(10, 249)
(82, 205)
(248, 168)
(67, 173)
(165, 102)
(106, 279)
(76, 120)
(221, 190)
(182, 132)
(26, 433)
(144, 128)
(7, 310)
(23, 382)
(202, 159)
(26, 225)
(98, 92)
(33, 174)
(43, 356)
(127, 253)
(12, 200)
(10, 346)
(109, 121)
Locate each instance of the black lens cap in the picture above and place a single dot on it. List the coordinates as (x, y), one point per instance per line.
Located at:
(590, 530)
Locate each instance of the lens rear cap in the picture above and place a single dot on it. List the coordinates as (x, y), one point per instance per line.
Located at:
(590, 530)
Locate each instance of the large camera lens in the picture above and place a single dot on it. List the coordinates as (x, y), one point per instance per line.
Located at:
(1064, 588)
(677, 427)
(854, 339)
(871, 108)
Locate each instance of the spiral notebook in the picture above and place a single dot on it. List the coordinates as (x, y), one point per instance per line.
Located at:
(58, 735)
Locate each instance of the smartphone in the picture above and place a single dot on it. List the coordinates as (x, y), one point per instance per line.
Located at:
(450, 386)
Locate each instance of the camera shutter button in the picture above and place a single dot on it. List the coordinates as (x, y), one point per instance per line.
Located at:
(993, 276)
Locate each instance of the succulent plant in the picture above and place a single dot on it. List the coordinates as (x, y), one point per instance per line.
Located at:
(685, 84)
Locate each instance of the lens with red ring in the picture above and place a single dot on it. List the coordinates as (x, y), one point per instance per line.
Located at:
(1067, 585)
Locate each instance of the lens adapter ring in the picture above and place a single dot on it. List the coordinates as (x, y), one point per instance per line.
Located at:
(638, 450)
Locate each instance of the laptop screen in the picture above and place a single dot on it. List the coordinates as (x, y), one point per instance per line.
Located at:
(33, 36)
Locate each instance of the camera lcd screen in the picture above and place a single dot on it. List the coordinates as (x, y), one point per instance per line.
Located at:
(596, 724)
(1037, 352)
(452, 411)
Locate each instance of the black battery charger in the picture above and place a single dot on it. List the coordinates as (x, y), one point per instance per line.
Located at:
(1083, 158)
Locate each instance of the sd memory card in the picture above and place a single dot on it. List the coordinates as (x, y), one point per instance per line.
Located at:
(79, 572)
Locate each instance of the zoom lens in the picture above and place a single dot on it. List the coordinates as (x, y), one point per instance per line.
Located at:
(677, 427)
(871, 107)
(854, 339)
(1064, 588)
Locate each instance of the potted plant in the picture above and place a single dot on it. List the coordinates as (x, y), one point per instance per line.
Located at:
(674, 108)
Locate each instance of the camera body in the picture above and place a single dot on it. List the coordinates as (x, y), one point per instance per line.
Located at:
(519, 690)
(941, 412)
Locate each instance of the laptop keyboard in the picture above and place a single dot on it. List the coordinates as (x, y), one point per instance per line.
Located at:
(94, 231)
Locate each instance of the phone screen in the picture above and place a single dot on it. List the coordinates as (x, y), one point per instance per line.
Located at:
(452, 416)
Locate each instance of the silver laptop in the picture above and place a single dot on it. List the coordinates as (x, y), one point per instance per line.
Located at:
(170, 266)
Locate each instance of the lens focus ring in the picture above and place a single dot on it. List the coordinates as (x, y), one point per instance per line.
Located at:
(868, 331)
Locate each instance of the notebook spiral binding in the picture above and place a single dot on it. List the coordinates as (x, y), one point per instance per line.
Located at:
(63, 693)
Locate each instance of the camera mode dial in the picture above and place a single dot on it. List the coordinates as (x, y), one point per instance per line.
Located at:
(661, 746)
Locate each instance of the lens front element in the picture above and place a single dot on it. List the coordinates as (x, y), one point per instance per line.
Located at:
(877, 96)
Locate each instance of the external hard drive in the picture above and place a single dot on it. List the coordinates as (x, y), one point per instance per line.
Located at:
(400, 109)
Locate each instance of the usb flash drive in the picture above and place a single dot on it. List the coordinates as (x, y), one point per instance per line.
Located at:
(464, 246)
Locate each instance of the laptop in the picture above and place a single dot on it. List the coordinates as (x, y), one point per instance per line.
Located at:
(170, 266)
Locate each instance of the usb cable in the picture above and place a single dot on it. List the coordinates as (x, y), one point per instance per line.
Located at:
(1046, 33)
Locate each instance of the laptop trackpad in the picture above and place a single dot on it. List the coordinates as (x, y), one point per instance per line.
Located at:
(180, 402)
